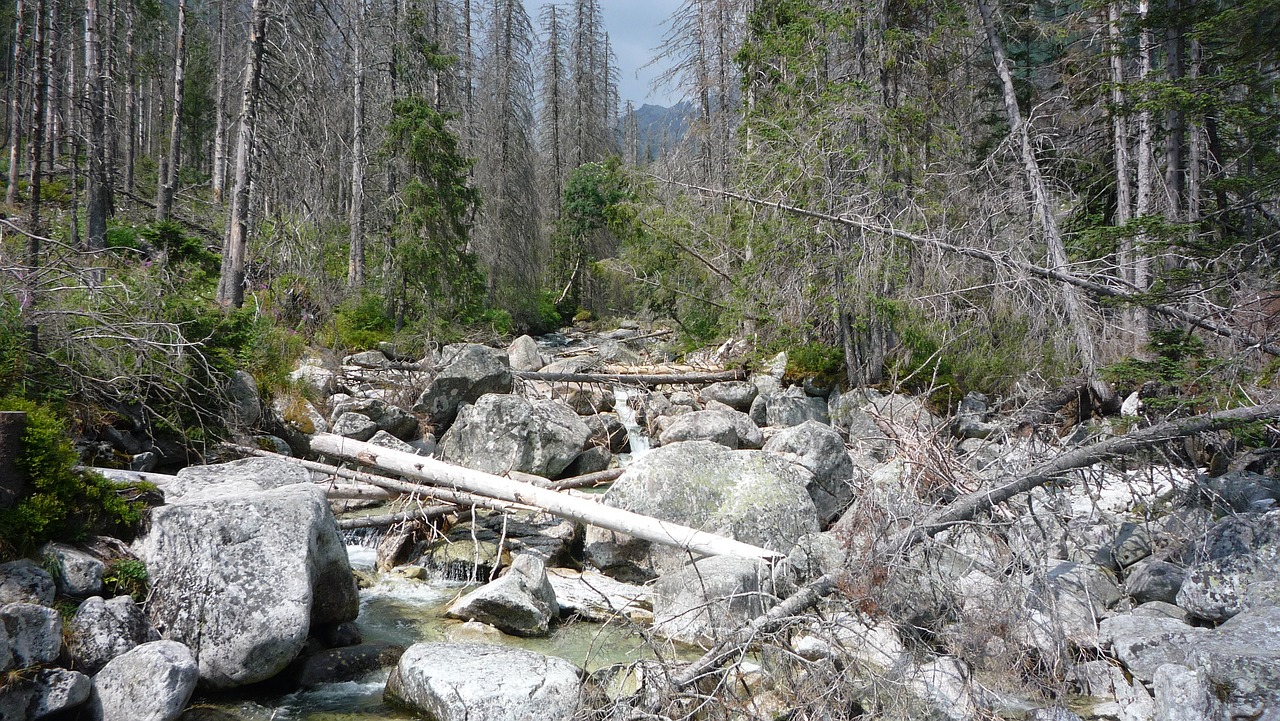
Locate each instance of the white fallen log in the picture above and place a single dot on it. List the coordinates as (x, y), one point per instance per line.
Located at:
(553, 502)
(120, 475)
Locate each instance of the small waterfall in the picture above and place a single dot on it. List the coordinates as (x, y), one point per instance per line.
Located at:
(362, 545)
(624, 396)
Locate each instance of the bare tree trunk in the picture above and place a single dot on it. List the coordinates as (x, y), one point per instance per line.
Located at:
(169, 183)
(356, 260)
(130, 98)
(15, 103)
(97, 190)
(36, 147)
(219, 180)
(52, 88)
(1072, 299)
(231, 280)
(1141, 274)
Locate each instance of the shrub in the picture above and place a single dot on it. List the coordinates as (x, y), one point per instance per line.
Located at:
(362, 322)
(126, 576)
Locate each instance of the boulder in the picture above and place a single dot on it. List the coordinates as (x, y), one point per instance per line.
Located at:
(75, 573)
(242, 578)
(366, 359)
(591, 460)
(347, 663)
(608, 431)
(102, 630)
(1182, 694)
(354, 425)
(819, 448)
(385, 416)
(524, 354)
(313, 377)
(713, 426)
(1154, 580)
(44, 693)
(943, 684)
(469, 372)
(1219, 589)
(585, 400)
(847, 637)
(386, 440)
(700, 603)
(244, 406)
(299, 414)
(24, 581)
(1238, 492)
(247, 475)
(790, 407)
(595, 597)
(752, 496)
(1066, 603)
(472, 681)
(738, 395)
(521, 602)
(152, 682)
(501, 433)
(35, 633)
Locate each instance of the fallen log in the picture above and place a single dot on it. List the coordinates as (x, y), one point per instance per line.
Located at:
(553, 502)
(391, 519)
(961, 510)
(120, 475)
(588, 480)
(640, 379)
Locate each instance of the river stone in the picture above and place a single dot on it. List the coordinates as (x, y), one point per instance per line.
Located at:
(243, 578)
(524, 354)
(247, 475)
(702, 602)
(586, 400)
(595, 597)
(387, 417)
(738, 395)
(521, 603)
(44, 693)
(1217, 590)
(752, 496)
(819, 448)
(473, 681)
(24, 581)
(713, 426)
(102, 630)
(348, 663)
(35, 633)
(791, 407)
(470, 371)
(354, 425)
(244, 406)
(1154, 580)
(1182, 694)
(75, 573)
(608, 431)
(502, 433)
(152, 682)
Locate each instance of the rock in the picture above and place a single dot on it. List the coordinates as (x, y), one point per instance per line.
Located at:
(1219, 589)
(1160, 609)
(501, 433)
(35, 633)
(102, 630)
(299, 414)
(144, 462)
(244, 406)
(1130, 545)
(813, 555)
(585, 400)
(24, 581)
(524, 354)
(313, 378)
(354, 425)
(273, 444)
(713, 426)
(383, 439)
(752, 496)
(595, 597)
(698, 604)
(1144, 643)
(476, 632)
(45, 693)
(590, 460)
(392, 419)
(1182, 694)
(521, 603)
(738, 395)
(1238, 492)
(608, 431)
(971, 418)
(1236, 534)
(1154, 580)
(1065, 603)
(789, 408)
(6, 655)
(76, 573)
(347, 663)
(850, 637)
(243, 578)
(152, 682)
(470, 371)
(943, 684)
(819, 448)
(247, 475)
(469, 682)
(366, 359)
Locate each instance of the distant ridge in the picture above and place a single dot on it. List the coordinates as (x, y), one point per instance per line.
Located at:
(660, 127)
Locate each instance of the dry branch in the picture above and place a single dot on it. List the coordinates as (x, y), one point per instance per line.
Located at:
(559, 504)
(645, 379)
(391, 519)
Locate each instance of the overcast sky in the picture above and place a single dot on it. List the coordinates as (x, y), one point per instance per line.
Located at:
(635, 28)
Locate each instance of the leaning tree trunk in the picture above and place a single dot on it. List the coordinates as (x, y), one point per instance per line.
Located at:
(231, 280)
(169, 184)
(1073, 301)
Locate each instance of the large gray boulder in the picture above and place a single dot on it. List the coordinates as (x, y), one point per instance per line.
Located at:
(472, 681)
(787, 408)
(469, 371)
(738, 395)
(102, 630)
(242, 579)
(1065, 603)
(152, 682)
(1239, 492)
(713, 426)
(501, 433)
(700, 603)
(24, 581)
(244, 405)
(521, 602)
(43, 693)
(354, 425)
(524, 354)
(608, 431)
(1154, 580)
(1183, 694)
(384, 416)
(75, 572)
(34, 632)
(752, 496)
(247, 475)
(1219, 589)
(820, 449)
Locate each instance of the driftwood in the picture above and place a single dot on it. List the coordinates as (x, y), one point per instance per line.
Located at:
(588, 480)
(120, 475)
(391, 519)
(964, 509)
(553, 502)
(642, 379)
(335, 491)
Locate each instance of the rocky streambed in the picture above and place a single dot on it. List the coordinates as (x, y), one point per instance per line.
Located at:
(1139, 587)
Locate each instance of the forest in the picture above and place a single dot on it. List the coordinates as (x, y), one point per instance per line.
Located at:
(997, 196)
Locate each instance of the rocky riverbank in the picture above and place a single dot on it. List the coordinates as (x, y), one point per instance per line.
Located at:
(1135, 588)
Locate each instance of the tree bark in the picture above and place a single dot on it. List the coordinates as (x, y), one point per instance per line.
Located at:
(390, 519)
(169, 184)
(97, 186)
(356, 257)
(15, 103)
(1140, 270)
(36, 143)
(577, 509)
(130, 98)
(219, 179)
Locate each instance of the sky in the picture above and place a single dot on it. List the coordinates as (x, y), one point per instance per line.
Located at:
(635, 28)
